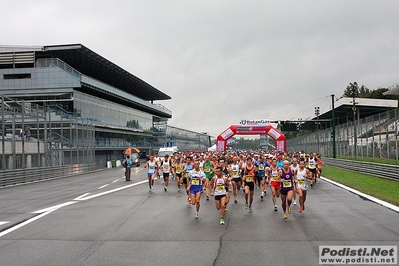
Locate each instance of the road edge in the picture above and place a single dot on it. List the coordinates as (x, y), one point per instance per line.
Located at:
(371, 198)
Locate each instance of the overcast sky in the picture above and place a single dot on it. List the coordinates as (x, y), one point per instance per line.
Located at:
(226, 60)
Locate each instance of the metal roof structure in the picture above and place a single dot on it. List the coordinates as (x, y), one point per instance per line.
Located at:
(344, 112)
(392, 90)
(94, 65)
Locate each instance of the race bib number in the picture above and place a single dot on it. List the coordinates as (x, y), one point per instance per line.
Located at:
(220, 188)
(207, 170)
(301, 182)
(235, 173)
(249, 179)
(195, 182)
(166, 168)
(185, 175)
(273, 179)
(261, 167)
(312, 165)
(287, 184)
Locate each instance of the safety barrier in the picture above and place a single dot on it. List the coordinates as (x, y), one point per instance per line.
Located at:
(376, 169)
(28, 175)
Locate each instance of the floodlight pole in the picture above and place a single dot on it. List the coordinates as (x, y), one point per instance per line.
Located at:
(317, 113)
(354, 92)
(333, 126)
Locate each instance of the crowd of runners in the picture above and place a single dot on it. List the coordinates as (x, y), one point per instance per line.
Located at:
(223, 175)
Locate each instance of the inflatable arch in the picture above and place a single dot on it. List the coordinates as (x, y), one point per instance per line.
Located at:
(251, 130)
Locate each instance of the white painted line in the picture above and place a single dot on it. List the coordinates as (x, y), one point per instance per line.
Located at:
(115, 180)
(78, 198)
(9, 230)
(103, 186)
(55, 207)
(3, 223)
(113, 190)
(49, 210)
(371, 198)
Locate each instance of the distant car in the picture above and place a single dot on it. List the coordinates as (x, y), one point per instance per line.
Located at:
(135, 159)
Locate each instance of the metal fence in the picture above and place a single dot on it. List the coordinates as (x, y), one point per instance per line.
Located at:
(34, 135)
(374, 136)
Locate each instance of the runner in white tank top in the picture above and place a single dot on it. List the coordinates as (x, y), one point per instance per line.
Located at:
(219, 183)
(302, 176)
(294, 168)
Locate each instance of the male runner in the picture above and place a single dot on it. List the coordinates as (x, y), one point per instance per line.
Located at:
(219, 183)
(312, 167)
(196, 177)
(273, 175)
(227, 172)
(302, 177)
(187, 167)
(165, 165)
(152, 168)
(261, 167)
(208, 170)
(287, 178)
(177, 169)
(249, 183)
(294, 167)
(236, 176)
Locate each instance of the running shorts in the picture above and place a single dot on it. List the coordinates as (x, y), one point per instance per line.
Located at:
(284, 192)
(219, 197)
(195, 189)
(251, 185)
(275, 184)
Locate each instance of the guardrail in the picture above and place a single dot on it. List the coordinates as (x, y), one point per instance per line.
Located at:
(376, 169)
(29, 175)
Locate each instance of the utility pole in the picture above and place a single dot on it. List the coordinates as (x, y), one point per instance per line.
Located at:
(354, 91)
(333, 126)
(317, 113)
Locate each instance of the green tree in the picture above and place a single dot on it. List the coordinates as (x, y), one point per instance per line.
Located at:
(364, 92)
(248, 144)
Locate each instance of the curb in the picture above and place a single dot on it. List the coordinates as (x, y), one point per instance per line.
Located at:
(371, 198)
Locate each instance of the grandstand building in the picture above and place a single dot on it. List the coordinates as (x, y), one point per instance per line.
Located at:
(87, 107)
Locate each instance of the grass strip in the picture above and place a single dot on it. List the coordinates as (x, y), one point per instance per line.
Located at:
(370, 160)
(383, 189)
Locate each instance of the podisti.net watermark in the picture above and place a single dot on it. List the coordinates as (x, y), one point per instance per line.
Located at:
(379, 255)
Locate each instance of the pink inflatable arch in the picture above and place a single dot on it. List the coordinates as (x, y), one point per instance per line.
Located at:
(251, 130)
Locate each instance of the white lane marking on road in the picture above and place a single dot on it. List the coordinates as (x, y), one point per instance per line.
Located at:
(82, 196)
(3, 223)
(103, 186)
(9, 230)
(55, 207)
(115, 180)
(381, 202)
(113, 190)
(44, 212)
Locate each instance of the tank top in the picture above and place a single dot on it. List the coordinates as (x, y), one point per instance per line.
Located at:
(187, 169)
(178, 168)
(302, 179)
(196, 177)
(288, 182)
(235, 170)
(274, 173)
(165, 166)
(151, 167)
(220, 186)
(312, 163)
(294, 168)
(250, 174)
